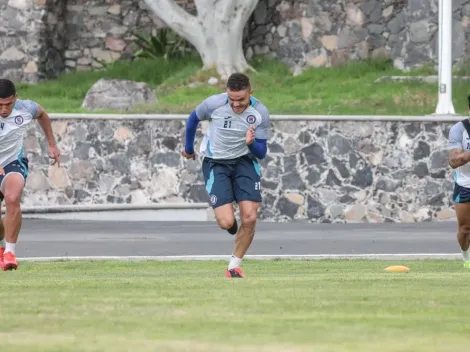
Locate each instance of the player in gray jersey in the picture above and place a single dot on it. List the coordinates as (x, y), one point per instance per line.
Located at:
(15, 117)
(459, 156)
(235, 140)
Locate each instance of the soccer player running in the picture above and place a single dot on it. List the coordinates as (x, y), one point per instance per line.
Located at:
(15, 116)
(234, 141)
(459, 156)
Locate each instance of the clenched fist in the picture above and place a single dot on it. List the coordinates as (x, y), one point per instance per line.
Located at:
(188, 156)
(250, 135)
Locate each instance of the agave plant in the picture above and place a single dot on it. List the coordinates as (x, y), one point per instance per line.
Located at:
(166, 43)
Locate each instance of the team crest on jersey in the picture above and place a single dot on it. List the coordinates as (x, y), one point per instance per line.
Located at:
(19, 120)
(250, 119)
(213, 199)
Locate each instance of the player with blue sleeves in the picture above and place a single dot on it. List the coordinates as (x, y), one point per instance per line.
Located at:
(15, 117)
(235, 139)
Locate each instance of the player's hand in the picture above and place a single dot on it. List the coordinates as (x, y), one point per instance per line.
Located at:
(2, 172)
(54, 153)
(188, 156)
(250, 135)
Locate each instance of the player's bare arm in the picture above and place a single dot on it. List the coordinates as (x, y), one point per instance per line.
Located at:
(45, 123)
(458, 157)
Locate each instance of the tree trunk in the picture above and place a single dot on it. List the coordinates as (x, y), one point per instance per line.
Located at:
(216, 32)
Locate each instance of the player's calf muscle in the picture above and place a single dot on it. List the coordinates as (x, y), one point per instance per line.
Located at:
(462, 210)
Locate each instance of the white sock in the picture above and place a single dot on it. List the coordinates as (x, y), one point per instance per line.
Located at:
(465, 255)
(10, 247)
(2, 243)
(234, 262)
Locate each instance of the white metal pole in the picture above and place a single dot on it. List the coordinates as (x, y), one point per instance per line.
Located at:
(444, 104)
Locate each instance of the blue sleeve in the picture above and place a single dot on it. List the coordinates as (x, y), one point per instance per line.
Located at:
(258, 148)
(191, 127)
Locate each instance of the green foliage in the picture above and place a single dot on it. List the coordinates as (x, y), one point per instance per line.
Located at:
(180, 84)
(166, 44)
(66, 93)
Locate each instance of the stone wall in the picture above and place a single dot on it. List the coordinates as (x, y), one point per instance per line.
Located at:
(101, 30)
(330, 32)
(32, 39)
(42, 38)
(321, 171)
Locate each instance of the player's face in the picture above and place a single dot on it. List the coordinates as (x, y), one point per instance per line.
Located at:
(6, 105)
(239, 100)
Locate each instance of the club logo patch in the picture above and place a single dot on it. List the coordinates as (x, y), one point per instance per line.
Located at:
(213, 199)
(250, 119)
(19, 120)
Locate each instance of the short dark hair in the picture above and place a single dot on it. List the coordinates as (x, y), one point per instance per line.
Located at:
(468, 99)
(238, 81)
(7, 88)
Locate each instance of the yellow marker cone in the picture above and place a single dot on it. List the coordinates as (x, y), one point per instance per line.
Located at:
(397, 269)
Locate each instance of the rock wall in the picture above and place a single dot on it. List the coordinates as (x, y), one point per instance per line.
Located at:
(101, 30)
(320, 171)
(328, 33)
(32, 39)
(42, 38)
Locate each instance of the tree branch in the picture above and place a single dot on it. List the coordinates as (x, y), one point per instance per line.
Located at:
(248, 8)
(204, 4)
(182, 22)
(240, 9)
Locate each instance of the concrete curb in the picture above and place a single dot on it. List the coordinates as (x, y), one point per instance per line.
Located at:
(110, 207)
(183, 117)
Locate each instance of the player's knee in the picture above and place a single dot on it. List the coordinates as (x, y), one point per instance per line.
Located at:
(249, 219)
(464, 229)
(12, 199)
(225, 223)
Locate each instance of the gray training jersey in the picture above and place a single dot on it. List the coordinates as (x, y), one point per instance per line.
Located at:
(459, 138)
(12, 129)
(225, 137)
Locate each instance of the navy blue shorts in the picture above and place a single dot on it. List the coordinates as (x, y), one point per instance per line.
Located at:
(461, 194)
(19, 166)
(232, 180)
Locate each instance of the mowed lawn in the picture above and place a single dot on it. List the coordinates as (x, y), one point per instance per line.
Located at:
(330, 305)
(181, 85)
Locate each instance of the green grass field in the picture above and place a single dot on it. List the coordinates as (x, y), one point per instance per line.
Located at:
(347, 90)
(290, 306)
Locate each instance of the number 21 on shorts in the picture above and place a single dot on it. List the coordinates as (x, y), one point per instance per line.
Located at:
(257, 185)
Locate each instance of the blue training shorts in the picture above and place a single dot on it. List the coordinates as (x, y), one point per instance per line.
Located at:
(232, 180)
(461, 194)
(19, 166)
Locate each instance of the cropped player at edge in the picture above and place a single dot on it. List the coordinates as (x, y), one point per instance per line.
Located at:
(235, 140)
(459, 156)
(15, 117)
